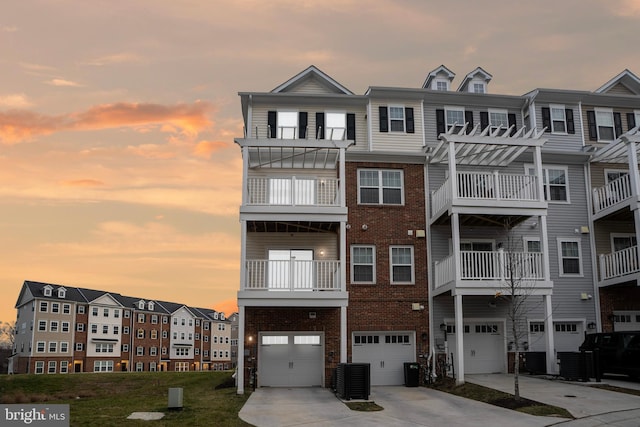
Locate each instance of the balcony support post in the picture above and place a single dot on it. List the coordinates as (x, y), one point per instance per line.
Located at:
(537, 164)
(634, 175)
(241, 337)
(552, 367)
(343, 334)
(453, 172)
(455, 239)
(544, 247)
(459, 358)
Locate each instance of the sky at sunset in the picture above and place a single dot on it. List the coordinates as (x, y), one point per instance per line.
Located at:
(118, 169)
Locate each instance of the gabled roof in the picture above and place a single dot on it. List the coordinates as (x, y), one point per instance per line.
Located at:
(478, 73)
(312, 73)
(440, 71)
(626, 79)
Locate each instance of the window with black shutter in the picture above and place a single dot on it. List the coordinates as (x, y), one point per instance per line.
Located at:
(511, 117)
(440, 123)
(271, 123)
(591, 123)
(468, 117)
(351, 126)
(409, 125)
(302, 124)
(384, 118)
(631, 121)
(319, 125)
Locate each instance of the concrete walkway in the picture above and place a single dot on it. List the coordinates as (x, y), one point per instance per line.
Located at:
(419, 406)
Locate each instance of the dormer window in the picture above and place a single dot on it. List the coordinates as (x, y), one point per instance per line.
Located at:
(215, 316)
(442, 85)
(47, 291)
(62, 292)
(141, 304)
(150, 305)
(221, 316)
(478, 88)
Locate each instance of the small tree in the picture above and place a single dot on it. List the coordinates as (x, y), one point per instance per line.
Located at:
(7, 334)
(519, 268)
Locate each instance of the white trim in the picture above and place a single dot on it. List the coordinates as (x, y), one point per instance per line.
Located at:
(623, 235)
(613, 124)
(447, 108)
(577, 240)
(608, 171)
(561, 107)
(492, 126)
(391, 265)
(527, 239)
(380, 186)
(353, 281)
(545, 181)
(404, 118)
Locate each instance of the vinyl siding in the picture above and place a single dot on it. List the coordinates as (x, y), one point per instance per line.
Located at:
(619, 89)
(260, 124)
(623, 116)
(562, 141)
(258, 244)
(397, 142)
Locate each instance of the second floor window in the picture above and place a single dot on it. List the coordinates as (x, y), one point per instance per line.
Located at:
(380, 187)
(396, 118)
(401, 260)
(555, 182)
(363, 264)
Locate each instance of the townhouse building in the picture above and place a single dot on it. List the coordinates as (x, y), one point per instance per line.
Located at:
(63, 329)
(382, 227)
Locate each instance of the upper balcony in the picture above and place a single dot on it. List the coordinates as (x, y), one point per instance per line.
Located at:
(487, 190)
(614, 196)
(623, 192)
(490, 272)
(300, 282)
(619, 266)
(478, 192)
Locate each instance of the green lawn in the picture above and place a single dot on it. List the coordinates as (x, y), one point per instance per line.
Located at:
(107, 399)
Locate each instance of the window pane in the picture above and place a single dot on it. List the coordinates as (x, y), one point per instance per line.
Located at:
(533, 246)
(396, 113)
(391, 179)
(604, 118)
(368, 195)
(571, 266)
(363, 255)
(397, 125)
(392, 196)
(605, 133)
(369, 178)
(455, 116)
(556, 176)
(363, 273)
(402, 273)
(401, 256)
(570, 249)
(557, 114)
(499, 119)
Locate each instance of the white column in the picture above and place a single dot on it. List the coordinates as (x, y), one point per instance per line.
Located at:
(552, 366)
(453, 172)
(537, 164)
(459, 358)
(343, 256)
(455, 241)
(240, 368)
(544, 247)
(343, 334)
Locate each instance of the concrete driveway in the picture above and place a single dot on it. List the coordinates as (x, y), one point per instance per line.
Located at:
(404, 406)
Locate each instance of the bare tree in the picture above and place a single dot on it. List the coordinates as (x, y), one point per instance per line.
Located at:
(520, 268)
(7, 334)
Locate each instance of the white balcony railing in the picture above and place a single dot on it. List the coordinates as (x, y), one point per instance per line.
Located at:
(611, 194)
(292, 275)
(619, 263)
(293, 191)
(487, 186)
(495, 265)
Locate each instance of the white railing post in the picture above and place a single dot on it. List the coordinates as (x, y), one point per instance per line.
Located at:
(496, 185)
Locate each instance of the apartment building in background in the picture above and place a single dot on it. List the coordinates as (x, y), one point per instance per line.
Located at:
(377, 228)
(63, 329)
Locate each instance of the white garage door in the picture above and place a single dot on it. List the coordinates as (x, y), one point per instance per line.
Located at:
(567, 336)
(290, 360)
(484, 348)
(386, 352)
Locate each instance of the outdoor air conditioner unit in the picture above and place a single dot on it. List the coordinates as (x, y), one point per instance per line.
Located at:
(353, 381)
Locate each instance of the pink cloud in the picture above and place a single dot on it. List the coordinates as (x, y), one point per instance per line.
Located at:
(83, 183)
(204, 149)
(188, 119)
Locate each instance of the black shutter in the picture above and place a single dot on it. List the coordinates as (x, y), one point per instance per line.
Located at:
(591, 122)
(546, 118)
(384, 119)
(631, 121)
(468, 117)
(440, 125)
(511, 117)
(271, 121)
(302, 124)
(408, 116)
(351, 126)
(617, 124)
(484, 120)
(568, 114)
(319, 125)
